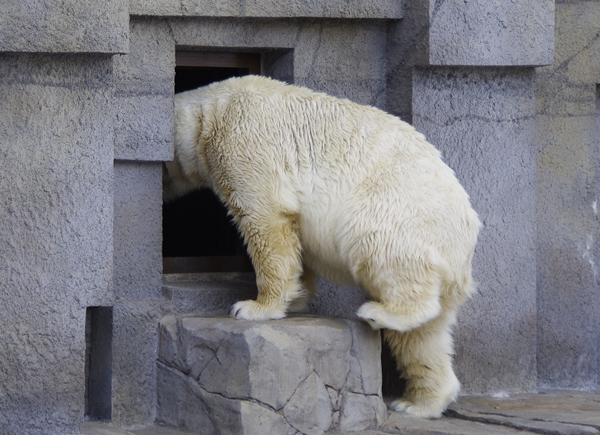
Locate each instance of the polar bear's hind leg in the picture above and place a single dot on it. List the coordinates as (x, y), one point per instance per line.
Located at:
(424, 356)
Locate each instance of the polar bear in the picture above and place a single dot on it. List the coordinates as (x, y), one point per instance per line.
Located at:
(321, 186)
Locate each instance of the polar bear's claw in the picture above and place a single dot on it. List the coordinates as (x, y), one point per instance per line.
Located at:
(253, 310)
(419, 410)
(371, 314)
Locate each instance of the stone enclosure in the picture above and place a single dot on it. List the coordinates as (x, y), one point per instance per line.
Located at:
(508, 91)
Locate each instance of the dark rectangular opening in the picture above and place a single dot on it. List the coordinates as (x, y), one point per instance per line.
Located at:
(98, 363)
(198, 235)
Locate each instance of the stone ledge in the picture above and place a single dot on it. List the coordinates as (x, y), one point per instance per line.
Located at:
(386, 9)
(207, 293)
(307, 375)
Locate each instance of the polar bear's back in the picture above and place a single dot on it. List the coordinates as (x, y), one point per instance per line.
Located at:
(349, 171)
(323, 134)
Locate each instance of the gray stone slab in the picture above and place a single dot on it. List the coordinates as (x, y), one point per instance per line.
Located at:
(296, 374)
(104, 428)
(68, 26)
(553, 411)
(401, 423)
(386, 9)
(550, 412)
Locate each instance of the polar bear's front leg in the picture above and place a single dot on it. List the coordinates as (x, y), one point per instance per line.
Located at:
(274, 247)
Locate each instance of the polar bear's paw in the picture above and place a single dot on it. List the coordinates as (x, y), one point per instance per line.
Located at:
(399, 405)
(253, 310)
(426, 410)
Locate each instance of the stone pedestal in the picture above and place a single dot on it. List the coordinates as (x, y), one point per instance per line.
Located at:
(306, 375)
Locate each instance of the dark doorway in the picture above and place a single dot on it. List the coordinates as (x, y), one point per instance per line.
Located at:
(98, 363)
(198, 235)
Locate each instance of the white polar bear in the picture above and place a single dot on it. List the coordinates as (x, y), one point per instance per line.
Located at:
(321, 186)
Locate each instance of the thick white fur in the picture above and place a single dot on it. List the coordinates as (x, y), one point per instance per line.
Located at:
(322, 186)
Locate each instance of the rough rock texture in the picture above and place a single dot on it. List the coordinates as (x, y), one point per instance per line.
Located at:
(306, 375)
(483, 121)
(56, 233)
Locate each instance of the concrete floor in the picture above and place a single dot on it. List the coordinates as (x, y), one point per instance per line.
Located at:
(556, 412)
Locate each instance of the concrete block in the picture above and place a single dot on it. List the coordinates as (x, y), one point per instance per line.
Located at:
(386, 9)
(135, 336)
(483, 121)
(306, 374)
(144, 94)
(137, 229)
(56, 233)
(70, 26)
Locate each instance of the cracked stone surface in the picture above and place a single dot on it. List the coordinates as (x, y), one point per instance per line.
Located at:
(551, 413)
(300, 375)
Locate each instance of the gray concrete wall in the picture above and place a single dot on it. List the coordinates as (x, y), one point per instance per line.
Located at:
(56, 232)
(68, 26)
(144, 93)
(568, 194)
(143, 134)
(483, 121)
